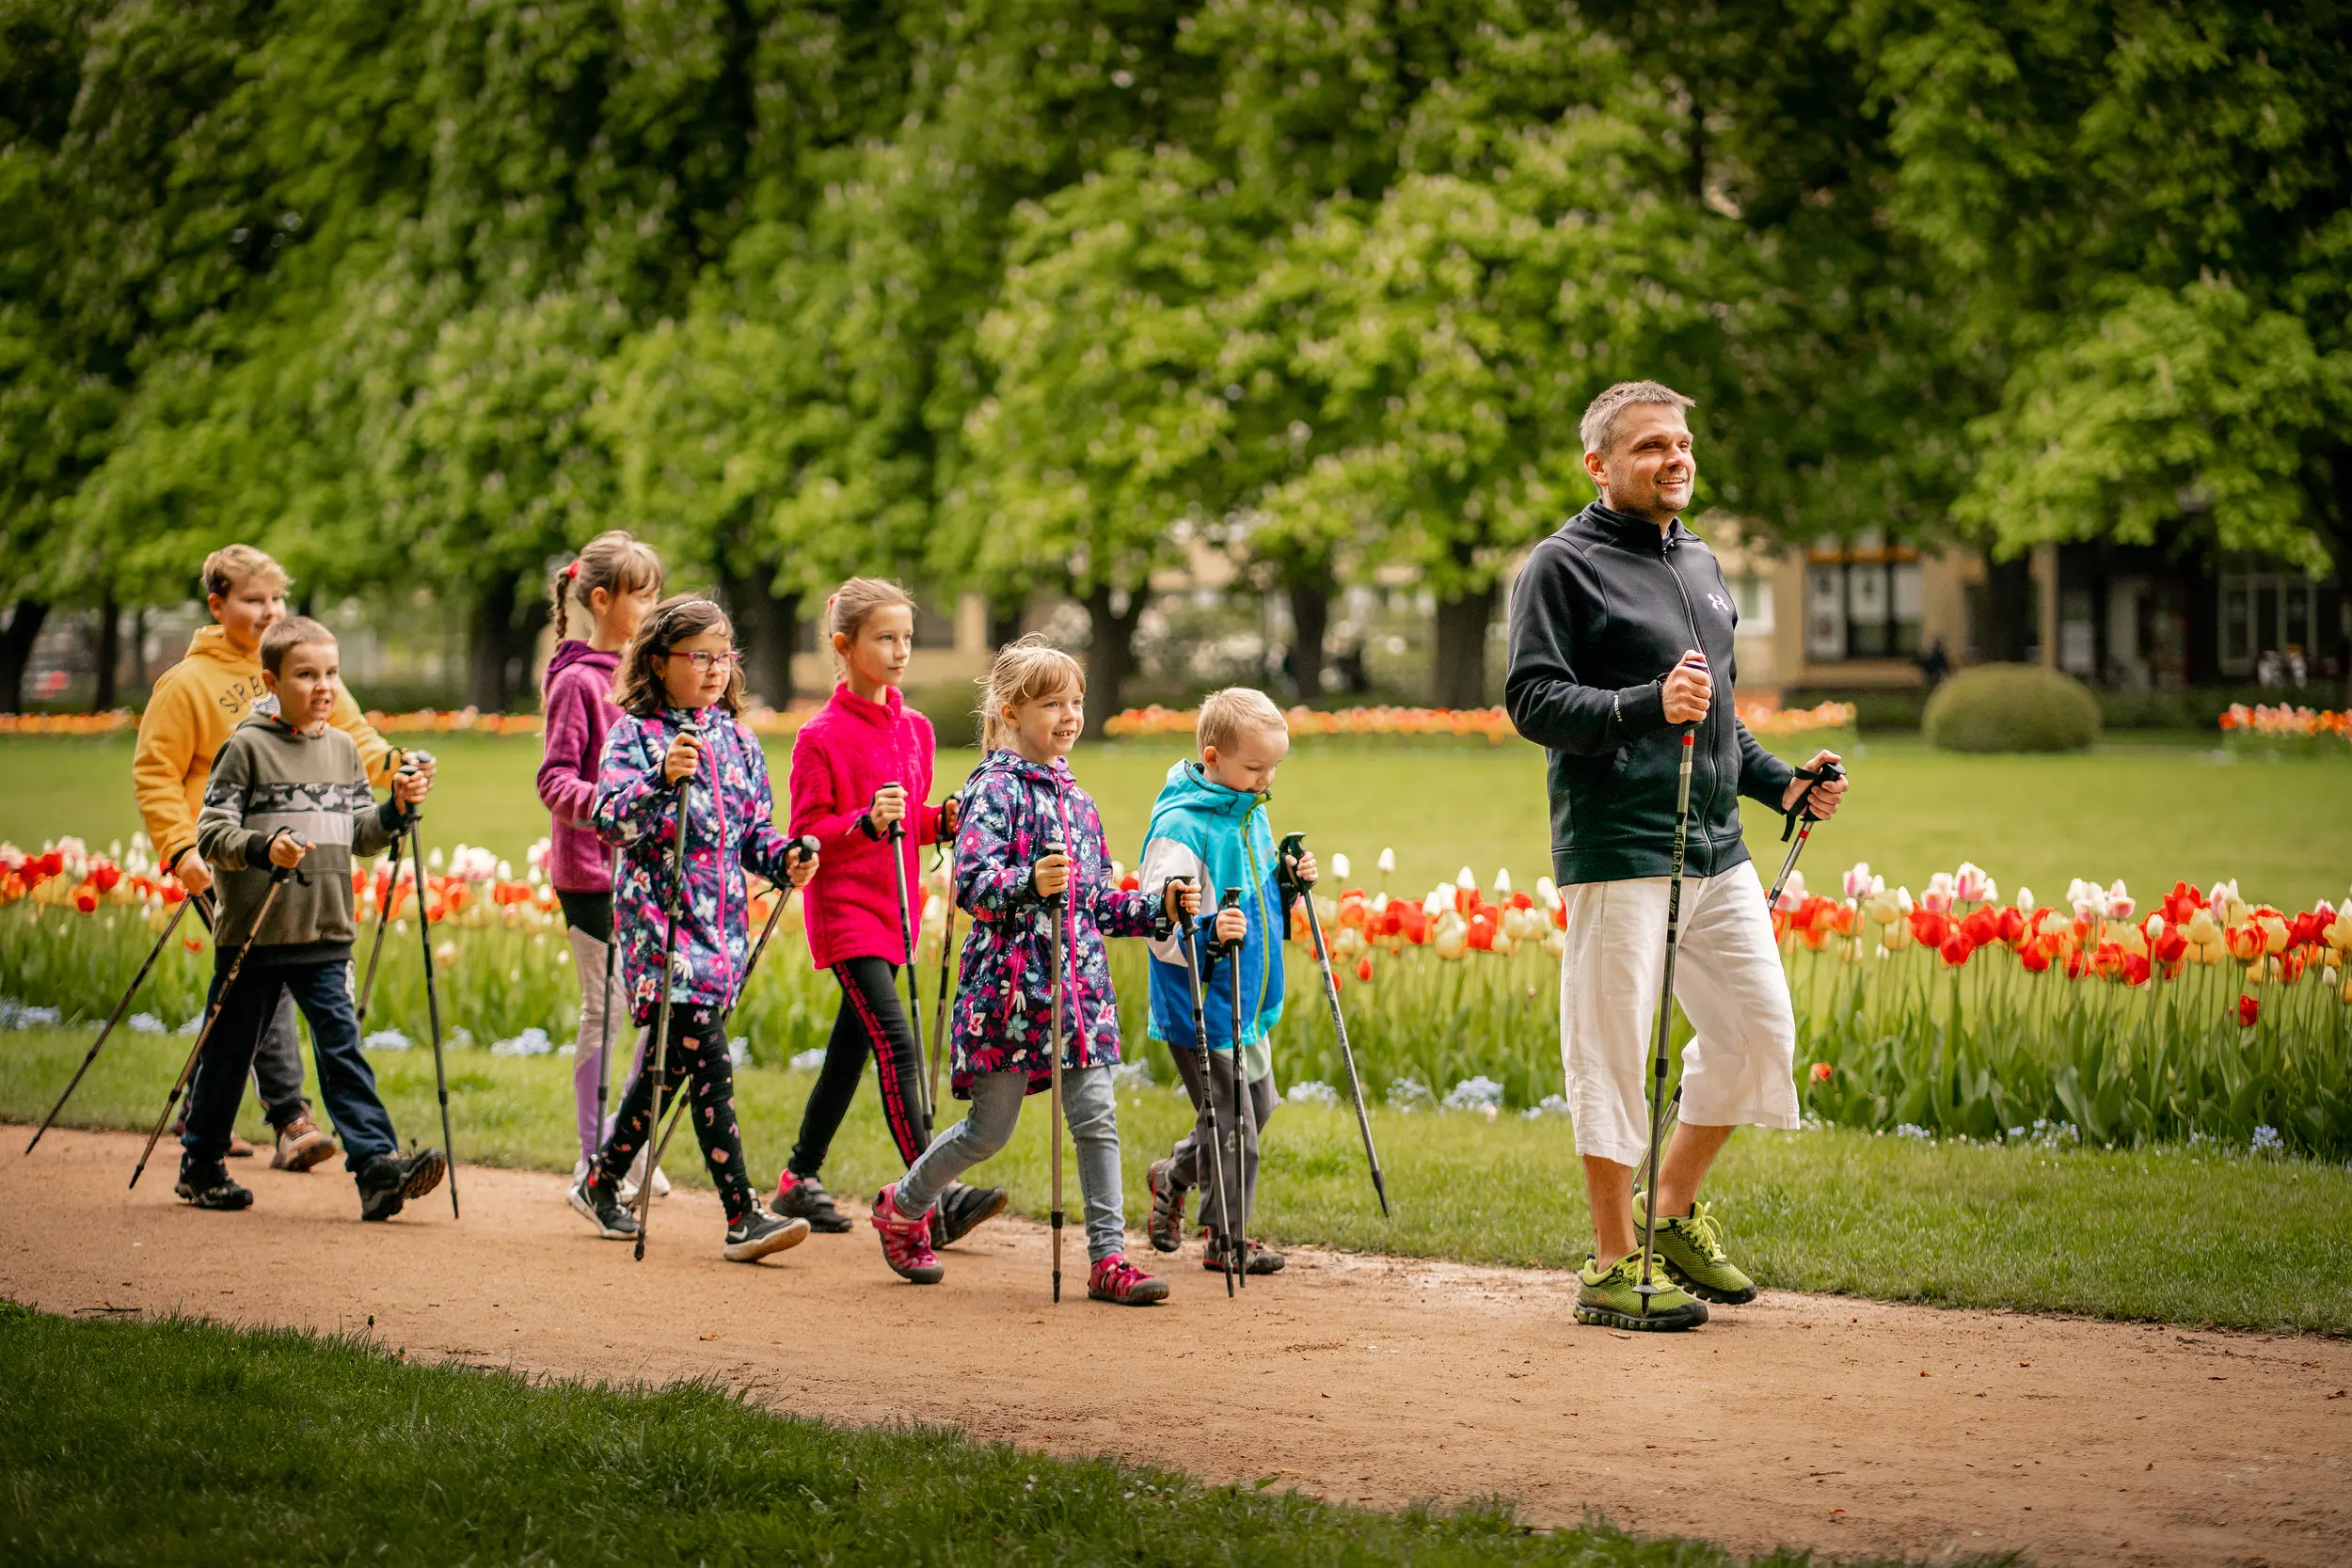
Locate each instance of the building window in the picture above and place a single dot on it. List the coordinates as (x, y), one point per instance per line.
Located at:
(2282, 613)
(1865, 601)
(1754, 596)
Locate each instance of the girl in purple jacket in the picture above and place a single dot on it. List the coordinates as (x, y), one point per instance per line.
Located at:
(1018, 802)
(680, 689)
(615, 581)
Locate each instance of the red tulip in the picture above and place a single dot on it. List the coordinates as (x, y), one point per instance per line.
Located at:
(2170, 948)
(105, 874)
(194, 945)
(1521, 901)
(1929, 929)
(85, 901)
(1363, 970)
(1820, 1073)
(1482, 932)
(2076, 965)
(2035, 960)
(1982, 927)
(2012, 926)
(1956, 948)
(2247, 1011)
(2291, 964)
(2135, 970)
(173, 892)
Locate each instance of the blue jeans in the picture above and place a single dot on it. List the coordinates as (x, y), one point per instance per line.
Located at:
(1089, 1105)
(347, 1082)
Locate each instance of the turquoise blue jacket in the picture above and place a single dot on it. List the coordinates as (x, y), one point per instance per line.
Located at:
(1219, 837)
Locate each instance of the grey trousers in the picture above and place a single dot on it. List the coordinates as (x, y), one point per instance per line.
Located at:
(277, 1066)
(1090, 1104)
(1240, 1165)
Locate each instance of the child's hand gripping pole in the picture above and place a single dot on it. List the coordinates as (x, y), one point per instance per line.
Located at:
(800, 849)
(1648, 1288)
(950, 818)
(278, 877)
(661, 1062)
(1293, 846)
(1061, 910)
(908, 920)
(1235, 1248)
(1800, 822)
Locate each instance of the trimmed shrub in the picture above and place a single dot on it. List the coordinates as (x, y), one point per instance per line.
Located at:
(2011, 707)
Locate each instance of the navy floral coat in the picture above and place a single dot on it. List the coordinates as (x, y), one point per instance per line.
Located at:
(728, 832)
(1012, 808)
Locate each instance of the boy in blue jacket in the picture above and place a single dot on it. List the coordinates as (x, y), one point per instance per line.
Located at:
(1208, 827)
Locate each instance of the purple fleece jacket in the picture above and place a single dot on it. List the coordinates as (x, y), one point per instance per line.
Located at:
(580, 711)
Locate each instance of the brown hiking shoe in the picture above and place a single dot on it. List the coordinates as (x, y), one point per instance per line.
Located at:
(301, 1144)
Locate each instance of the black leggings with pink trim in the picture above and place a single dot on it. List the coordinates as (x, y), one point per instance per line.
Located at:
(872, 1022)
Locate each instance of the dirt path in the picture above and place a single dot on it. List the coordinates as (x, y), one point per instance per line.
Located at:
(1816, 1422)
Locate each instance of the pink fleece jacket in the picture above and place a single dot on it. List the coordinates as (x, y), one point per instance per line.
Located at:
(850, 750)
(579, 697)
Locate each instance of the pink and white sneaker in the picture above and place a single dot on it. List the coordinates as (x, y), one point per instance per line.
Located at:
(906, 1242)
(1116, 1280)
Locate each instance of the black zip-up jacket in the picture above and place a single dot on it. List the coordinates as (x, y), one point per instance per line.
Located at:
(1598, 618)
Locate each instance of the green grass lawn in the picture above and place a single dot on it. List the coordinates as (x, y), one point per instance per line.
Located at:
(2149, 812)
(187, 1443)
(2173, 1234)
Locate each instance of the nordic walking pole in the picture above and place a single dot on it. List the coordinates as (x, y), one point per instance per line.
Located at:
(1293, 845)
(906, 940)
(433, 1001)
(805, 848)
(1647, 1288)
(946, 969)
(116, 1017)
(661, 994)
(1801, 821)
(278, 877)
(409, 763)
(1236, 1247)
(1208, 1081)
(1061, 911)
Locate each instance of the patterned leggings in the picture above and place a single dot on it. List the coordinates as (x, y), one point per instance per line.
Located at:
(698, 1045)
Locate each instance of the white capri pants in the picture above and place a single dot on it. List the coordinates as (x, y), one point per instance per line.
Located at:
(1737, 1069)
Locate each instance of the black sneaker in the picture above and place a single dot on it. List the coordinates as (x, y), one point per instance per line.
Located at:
(390, 1180)
(962, 1210)
(209, 1187)
(804, 1197)
(1166, 1228)
(758, 1235)
(601, 1209)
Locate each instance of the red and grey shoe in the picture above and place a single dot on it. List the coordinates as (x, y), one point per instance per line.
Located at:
(906, 1240)
(1165, 1226)
(1116, 1280)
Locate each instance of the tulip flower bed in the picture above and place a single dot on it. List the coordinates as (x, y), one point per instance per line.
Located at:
(2287, 722)
(1952, 1014)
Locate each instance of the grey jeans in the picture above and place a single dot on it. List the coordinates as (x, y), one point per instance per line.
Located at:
(1091, 1106)
(1240, 1165)
(277, 1066)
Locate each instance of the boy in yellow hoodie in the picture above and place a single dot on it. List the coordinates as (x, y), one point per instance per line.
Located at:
(195, 705)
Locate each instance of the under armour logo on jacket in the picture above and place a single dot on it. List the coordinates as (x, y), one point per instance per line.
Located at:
(1719, 602)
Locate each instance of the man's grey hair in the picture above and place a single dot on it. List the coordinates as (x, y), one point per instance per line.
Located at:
(1599, 426)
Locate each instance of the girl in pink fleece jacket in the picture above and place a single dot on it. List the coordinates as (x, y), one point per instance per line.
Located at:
(861, 765)
(615, 581)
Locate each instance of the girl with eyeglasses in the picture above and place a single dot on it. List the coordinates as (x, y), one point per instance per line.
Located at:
(861, 785)
(681, 692)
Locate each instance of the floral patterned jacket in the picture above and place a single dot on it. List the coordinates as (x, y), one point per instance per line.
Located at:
(1012, 808)
(728, 832)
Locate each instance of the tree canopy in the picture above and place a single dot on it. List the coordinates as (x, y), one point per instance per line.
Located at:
(994, 293)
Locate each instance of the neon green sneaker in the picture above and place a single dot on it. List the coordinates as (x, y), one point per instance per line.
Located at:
(1692, 1248)
(1611, 1299)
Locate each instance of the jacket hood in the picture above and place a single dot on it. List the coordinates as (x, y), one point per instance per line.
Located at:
(1190, 788)
(572, 651)
(212, 641)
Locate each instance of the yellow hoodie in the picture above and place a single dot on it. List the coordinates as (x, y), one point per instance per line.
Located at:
(188, 717)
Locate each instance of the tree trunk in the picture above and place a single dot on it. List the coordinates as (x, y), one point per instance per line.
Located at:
(109, 653)
(1110, 654)
(767, 624)
(1458, 674)
(1310, 619)
(522, 652)
(487, 644)
(1004, 622)
(2010, 622)
(16, 651)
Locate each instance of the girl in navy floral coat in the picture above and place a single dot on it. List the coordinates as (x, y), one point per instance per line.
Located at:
(681, 689)
(1020, 800)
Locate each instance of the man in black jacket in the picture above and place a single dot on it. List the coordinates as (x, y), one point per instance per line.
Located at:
(1617, 624)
